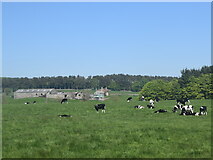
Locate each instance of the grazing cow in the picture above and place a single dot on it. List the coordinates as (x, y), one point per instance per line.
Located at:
(64, 115)
(187, 110)
(129, 99)
(64, 100)
(27, 103)
(183, 101)
(176, 107)
(34, 102)
(160, 111)
(203, 110)
(139, 107)
(100, 106)
(150, 106)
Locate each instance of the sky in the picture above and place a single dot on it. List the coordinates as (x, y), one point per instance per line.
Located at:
(88, 39)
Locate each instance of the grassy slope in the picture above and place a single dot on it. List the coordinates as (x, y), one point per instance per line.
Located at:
(35, 131)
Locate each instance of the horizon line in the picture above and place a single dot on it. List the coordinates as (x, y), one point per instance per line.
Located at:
(91, 76)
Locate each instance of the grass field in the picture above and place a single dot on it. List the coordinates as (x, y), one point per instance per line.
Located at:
(35, 130)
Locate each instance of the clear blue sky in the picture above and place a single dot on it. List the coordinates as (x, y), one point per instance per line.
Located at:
(62, 39)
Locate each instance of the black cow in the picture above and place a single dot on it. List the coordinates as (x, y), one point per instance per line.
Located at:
(203, 110)
(64, 115)
(129, 99)
(100, 106)
(160, 111)
(183, 101)
(64, 100)
(157, 99)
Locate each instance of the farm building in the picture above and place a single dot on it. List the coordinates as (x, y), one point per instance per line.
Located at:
(99, 94)
(53, 93)
(79, 95)
(68, 95)
(27, 93)
(48, 93)
(58, 95)
(103, 91)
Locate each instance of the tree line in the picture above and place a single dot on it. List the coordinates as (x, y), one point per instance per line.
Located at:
(114, 82)
(193, 84)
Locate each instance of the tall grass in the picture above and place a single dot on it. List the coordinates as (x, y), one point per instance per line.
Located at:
(35, 130)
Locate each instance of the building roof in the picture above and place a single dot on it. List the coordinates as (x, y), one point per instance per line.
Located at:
(99, 92)
(103, 90)
(34, 90)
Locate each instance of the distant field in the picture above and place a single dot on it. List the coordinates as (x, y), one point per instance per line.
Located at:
(35, 131)
(123, 93)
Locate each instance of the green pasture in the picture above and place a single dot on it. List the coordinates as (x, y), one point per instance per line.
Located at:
(35, 130)
(130, 93)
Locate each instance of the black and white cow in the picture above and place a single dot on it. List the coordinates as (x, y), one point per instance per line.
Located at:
(129, 99)
(64, 100)
(34, 102)
(142, 98)
(27, 103)
(150, 106)
(151, 102)
(64, 115)
(177, 107)
(160, 111)
(187, 110)
(195, 114)
(183, 101)
(192, 114)
(203, 110)
(139, 107)
(100, 106)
